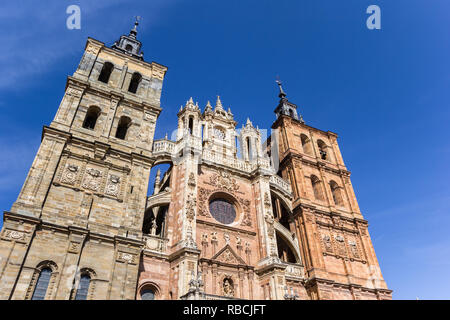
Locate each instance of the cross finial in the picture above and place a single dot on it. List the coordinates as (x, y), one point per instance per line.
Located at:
(133, 31)
(282, 94)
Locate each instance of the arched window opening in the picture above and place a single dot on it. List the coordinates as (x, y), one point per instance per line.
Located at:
(306, 144)
(91, 117)
(42, 284)
(129, 47)
(316, 187)
(249, 148)
(122, 127)
(83, 287)
(160, 176)
(284, 251)
(134, 83)
(107, 69)
(148, 221)
(160, 221)
(191, 125)
(280, 212)
(147, 294)
(323, 150)
(291, 113)
(336, 192)
(154, 221)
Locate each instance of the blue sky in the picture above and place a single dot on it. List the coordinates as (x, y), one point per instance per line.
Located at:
(385, 92)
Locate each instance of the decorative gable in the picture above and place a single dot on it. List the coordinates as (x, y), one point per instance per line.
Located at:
(227, 255)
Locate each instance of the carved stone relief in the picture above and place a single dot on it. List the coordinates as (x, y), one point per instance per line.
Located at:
(113, 185)
(69, 175)
(190, 207)
(92, 179)
(224, 180)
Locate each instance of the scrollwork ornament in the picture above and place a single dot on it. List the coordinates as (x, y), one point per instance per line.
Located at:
(70, 174)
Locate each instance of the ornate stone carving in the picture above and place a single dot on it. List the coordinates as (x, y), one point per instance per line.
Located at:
(113, 186)
(238, 241)
(270, 228)
(213, 236)
(247, 220)
(153, 244)
(14, 235)
(228, 287)
(70, 174)
(92, 179)
(203, 195)
(74, 247)
(204, 238)
(327, 243)
(190, 207)
(191, 180)
(190, 243)
(228, 256)
(224, 180)
(267, 201)
(126, 257)
(354, 249)
(226, 237)
(247, 247)
(340, 243)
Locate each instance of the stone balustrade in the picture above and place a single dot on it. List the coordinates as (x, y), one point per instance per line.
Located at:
(163, 146)
(155, 243)
(166, 147)
(281, 184)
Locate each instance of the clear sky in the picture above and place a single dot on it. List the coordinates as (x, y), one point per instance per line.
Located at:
(385, 92)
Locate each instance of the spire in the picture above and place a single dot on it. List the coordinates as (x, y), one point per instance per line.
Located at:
(129, 45)
(282, 94)
(219, 103)
(133, 32)
(285, 107)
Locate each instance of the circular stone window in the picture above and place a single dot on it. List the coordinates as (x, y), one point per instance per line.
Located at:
(222, 210)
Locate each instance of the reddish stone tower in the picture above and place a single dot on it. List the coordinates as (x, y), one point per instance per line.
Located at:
(336, 248)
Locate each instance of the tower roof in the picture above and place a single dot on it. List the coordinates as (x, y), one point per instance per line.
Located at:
(285, 107)
(129, 44)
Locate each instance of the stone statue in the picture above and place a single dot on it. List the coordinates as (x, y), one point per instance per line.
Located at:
(228, 289)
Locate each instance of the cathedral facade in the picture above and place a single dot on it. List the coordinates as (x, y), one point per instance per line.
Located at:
(235, 216)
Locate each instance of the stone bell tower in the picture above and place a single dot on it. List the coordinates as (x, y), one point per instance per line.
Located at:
(74, 231)
(337, 251)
